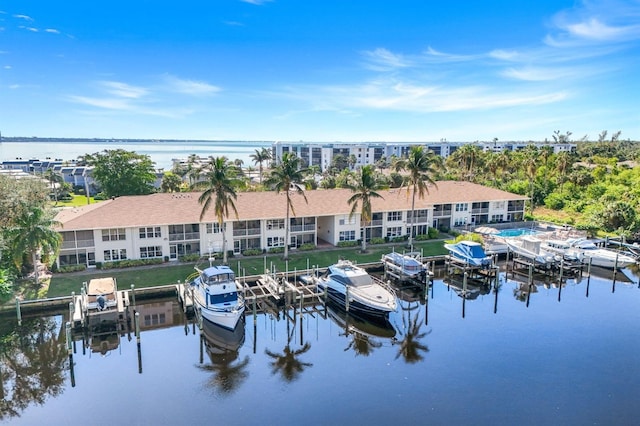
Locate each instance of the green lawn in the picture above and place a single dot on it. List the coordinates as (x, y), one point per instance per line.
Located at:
(64, 284)
(78, 200)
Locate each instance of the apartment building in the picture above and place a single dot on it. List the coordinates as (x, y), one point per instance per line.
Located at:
(168, 225)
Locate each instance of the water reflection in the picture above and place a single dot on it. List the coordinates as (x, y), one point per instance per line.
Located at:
(222, 347)
(33, 357)
(363, 335)
(287, 363)
(553, 340)
(411, 348)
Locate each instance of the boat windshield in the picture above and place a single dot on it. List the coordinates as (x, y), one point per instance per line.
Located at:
(360, 280)
(477, 251)
(219, 278)
(223, 298)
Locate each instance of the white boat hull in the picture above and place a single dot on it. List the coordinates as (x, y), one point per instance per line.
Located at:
(225, 319)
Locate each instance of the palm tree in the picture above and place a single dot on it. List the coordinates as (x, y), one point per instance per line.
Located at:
(531, 158)
(33, 232)
(171, 182)
(55, 180)
(287, 177)
(259, 157)
(422, 166)
(364, 188)
(219, 187)
(563, 163)
(288, 363)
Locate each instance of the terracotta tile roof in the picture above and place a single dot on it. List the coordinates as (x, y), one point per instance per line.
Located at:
(178, 208)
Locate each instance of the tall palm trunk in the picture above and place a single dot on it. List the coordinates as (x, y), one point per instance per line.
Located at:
(224, 243)
(286, 233)
(36, 272)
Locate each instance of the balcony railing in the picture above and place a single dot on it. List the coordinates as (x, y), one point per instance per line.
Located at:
(301, 228)
(480, 210)
(441, 213)
(187, 236)
(246, 231)
(77, 244)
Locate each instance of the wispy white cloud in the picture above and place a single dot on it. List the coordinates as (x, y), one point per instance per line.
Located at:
(595, 22)
(382, 59)
(7, 67)
(52, 30)
(157, 99)
(25, 17)
(32, 29)
(256, 2)
(433, 55)
(190, 87)
(532, 73)
(233, 23)
(124, 90)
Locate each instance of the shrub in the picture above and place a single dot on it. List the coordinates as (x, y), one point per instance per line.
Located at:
(129, 263)
(252, 252)
(276, 250)
(399, 239)
(347, 243)
(71, 268)
(433, 233)
(307, 247)
(377, 240)
(6, 286)
(194, 257)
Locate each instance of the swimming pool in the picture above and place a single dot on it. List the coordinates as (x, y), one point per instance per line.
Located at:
(517, 232)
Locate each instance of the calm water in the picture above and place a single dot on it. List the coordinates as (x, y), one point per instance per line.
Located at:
(160, 152)
(536, 360)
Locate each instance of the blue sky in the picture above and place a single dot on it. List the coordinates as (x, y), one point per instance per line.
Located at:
(403, 70)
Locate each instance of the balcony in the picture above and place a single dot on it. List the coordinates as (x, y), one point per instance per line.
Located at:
(77, 244)
(302, 228)
(246, 231)
(442, 213)
(480, 210)
(187, 236)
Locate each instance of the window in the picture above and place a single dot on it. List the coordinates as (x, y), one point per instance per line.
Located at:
(275, 242)
(150, 232)
(115, 234)
(155, 319)
(394, 231)
(498, 205)
(275, 224)
(394, 216)
(149, 252)
(346, 220)
(347, 235)
(115, 254)
(462, 207)
(496, 218)
(213, 228)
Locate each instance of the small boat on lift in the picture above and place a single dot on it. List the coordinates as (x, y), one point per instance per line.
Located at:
(530, 248)
(587, 251)
(215, 293)
(469, 252)
(352, 286)
(405, 266)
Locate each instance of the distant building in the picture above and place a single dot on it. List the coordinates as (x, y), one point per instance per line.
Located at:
(322, 154)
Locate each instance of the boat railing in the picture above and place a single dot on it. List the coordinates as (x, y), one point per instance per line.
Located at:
(384, 285)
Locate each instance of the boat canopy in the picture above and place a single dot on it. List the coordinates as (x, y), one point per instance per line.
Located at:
(217, 274)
